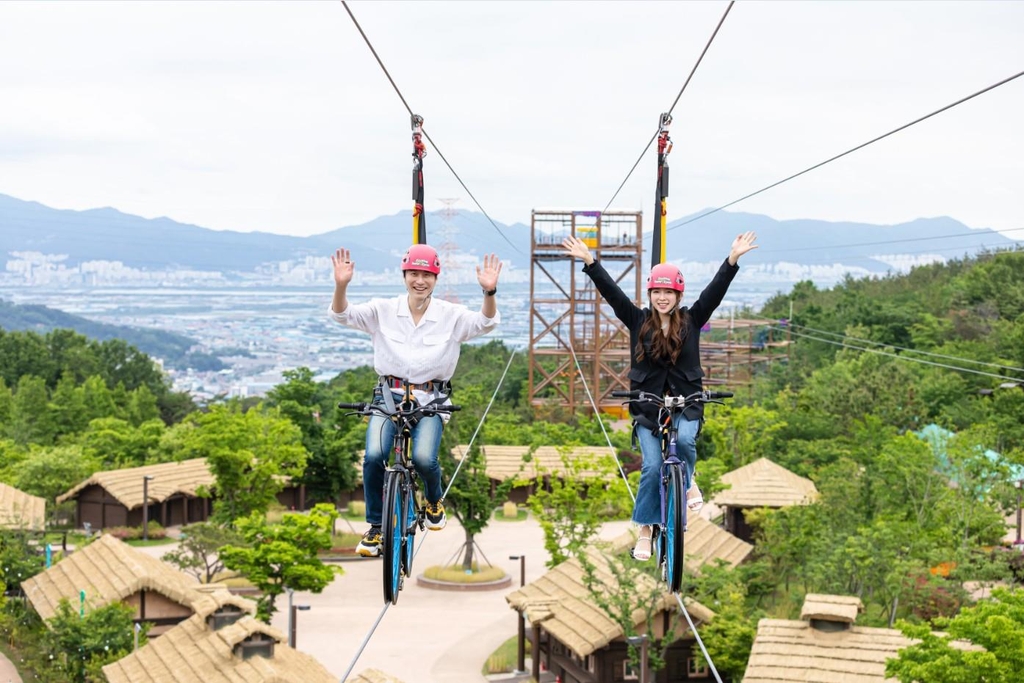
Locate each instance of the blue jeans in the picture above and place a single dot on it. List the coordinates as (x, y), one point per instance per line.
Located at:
(380, 434)
(647, 509)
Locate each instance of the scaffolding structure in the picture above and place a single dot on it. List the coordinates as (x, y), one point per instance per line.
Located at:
(568, 316)
(734, 351)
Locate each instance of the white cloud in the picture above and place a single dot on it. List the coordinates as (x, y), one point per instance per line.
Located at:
(274, 116)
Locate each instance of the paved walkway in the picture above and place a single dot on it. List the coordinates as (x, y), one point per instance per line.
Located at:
(8, 674)
(430, 636)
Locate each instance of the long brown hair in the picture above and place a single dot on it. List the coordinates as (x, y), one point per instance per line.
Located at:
(664, 347)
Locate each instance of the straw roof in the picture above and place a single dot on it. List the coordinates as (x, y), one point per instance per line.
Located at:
(169, 478)
(794, 652)
(788, 651)
(191, 652)
(561, 601)
(373, 676)
(762, 483)
(19, 510)
(839, 608)
(504, 462)
(108, 570)
(704, 543)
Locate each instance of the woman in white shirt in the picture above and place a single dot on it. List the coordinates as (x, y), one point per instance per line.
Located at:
(416, 342)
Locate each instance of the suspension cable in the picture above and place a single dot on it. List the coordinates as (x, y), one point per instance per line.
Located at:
(850, 151)
(425, 133)
(892, 355)
(483, 417)
(597, 416)
(904, 348)
(693, 629)
(972, 233)
(676, 101)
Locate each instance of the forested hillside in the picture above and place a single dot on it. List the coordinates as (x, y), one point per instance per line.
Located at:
(173, 349)
(910, 525)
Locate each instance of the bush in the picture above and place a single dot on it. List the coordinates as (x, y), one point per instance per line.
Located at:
(134, 533)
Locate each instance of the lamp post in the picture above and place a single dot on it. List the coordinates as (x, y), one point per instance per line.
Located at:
(294, 623)
(640, 641)
(145, 506)
(521, 652)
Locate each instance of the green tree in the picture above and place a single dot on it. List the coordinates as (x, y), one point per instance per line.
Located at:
(6, 401)
(68, 406)
(252, 456)
(49, 472)
(578, 500)
(283, 556)
(18, 561)
(630, 593)
(198, 551)
(996, 626)
(142, 406)
(729, 637)
(98, 400)
(333, 452)
(30, 420)
(78, 645)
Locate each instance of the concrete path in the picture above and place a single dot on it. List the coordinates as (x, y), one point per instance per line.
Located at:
(430, 636)
(8, 674)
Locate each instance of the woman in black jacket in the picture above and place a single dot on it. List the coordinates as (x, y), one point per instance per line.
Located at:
(664, 343)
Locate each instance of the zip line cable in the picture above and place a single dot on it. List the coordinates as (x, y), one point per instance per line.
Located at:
(892, 355)
(425, 133)
(380, 617)
(696, 636)
(597, 414)
(849, 151)
(973, 233)
(676, 101)
(903, 348)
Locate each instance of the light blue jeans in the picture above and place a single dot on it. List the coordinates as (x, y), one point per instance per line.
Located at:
(647, 509)
(380, 434)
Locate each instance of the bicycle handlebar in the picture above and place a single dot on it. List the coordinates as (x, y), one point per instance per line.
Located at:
(699, 397)
(367, 408)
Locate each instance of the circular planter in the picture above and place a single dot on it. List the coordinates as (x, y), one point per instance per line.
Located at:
(435, 584)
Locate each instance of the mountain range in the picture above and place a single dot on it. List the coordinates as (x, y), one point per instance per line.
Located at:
(164, 244)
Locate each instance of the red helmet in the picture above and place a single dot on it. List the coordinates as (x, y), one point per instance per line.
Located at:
(666, 276)
(422, 257)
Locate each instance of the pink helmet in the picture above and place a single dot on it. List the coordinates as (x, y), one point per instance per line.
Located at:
(666, 276)
(422, 257)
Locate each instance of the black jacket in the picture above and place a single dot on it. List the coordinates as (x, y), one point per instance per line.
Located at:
(654, 375)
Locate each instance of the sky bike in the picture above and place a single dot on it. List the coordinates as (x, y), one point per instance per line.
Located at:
(675, 479)
(402, 515)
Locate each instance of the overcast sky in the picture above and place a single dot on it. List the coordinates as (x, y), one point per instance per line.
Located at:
(275, 117)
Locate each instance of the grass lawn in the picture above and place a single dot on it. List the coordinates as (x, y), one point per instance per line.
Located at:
(456, 574)
(504, 659)
(139, 543)
(521, 514)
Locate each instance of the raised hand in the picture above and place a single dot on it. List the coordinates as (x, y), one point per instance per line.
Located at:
(487, 276)
(577, 248)
(343, 266)
(741, 245)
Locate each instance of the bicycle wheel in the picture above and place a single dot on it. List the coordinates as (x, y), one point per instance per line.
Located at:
(409, 542)
(675, 523)
(392, 532)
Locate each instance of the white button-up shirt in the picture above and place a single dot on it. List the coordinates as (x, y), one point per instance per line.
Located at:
(415, 353)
